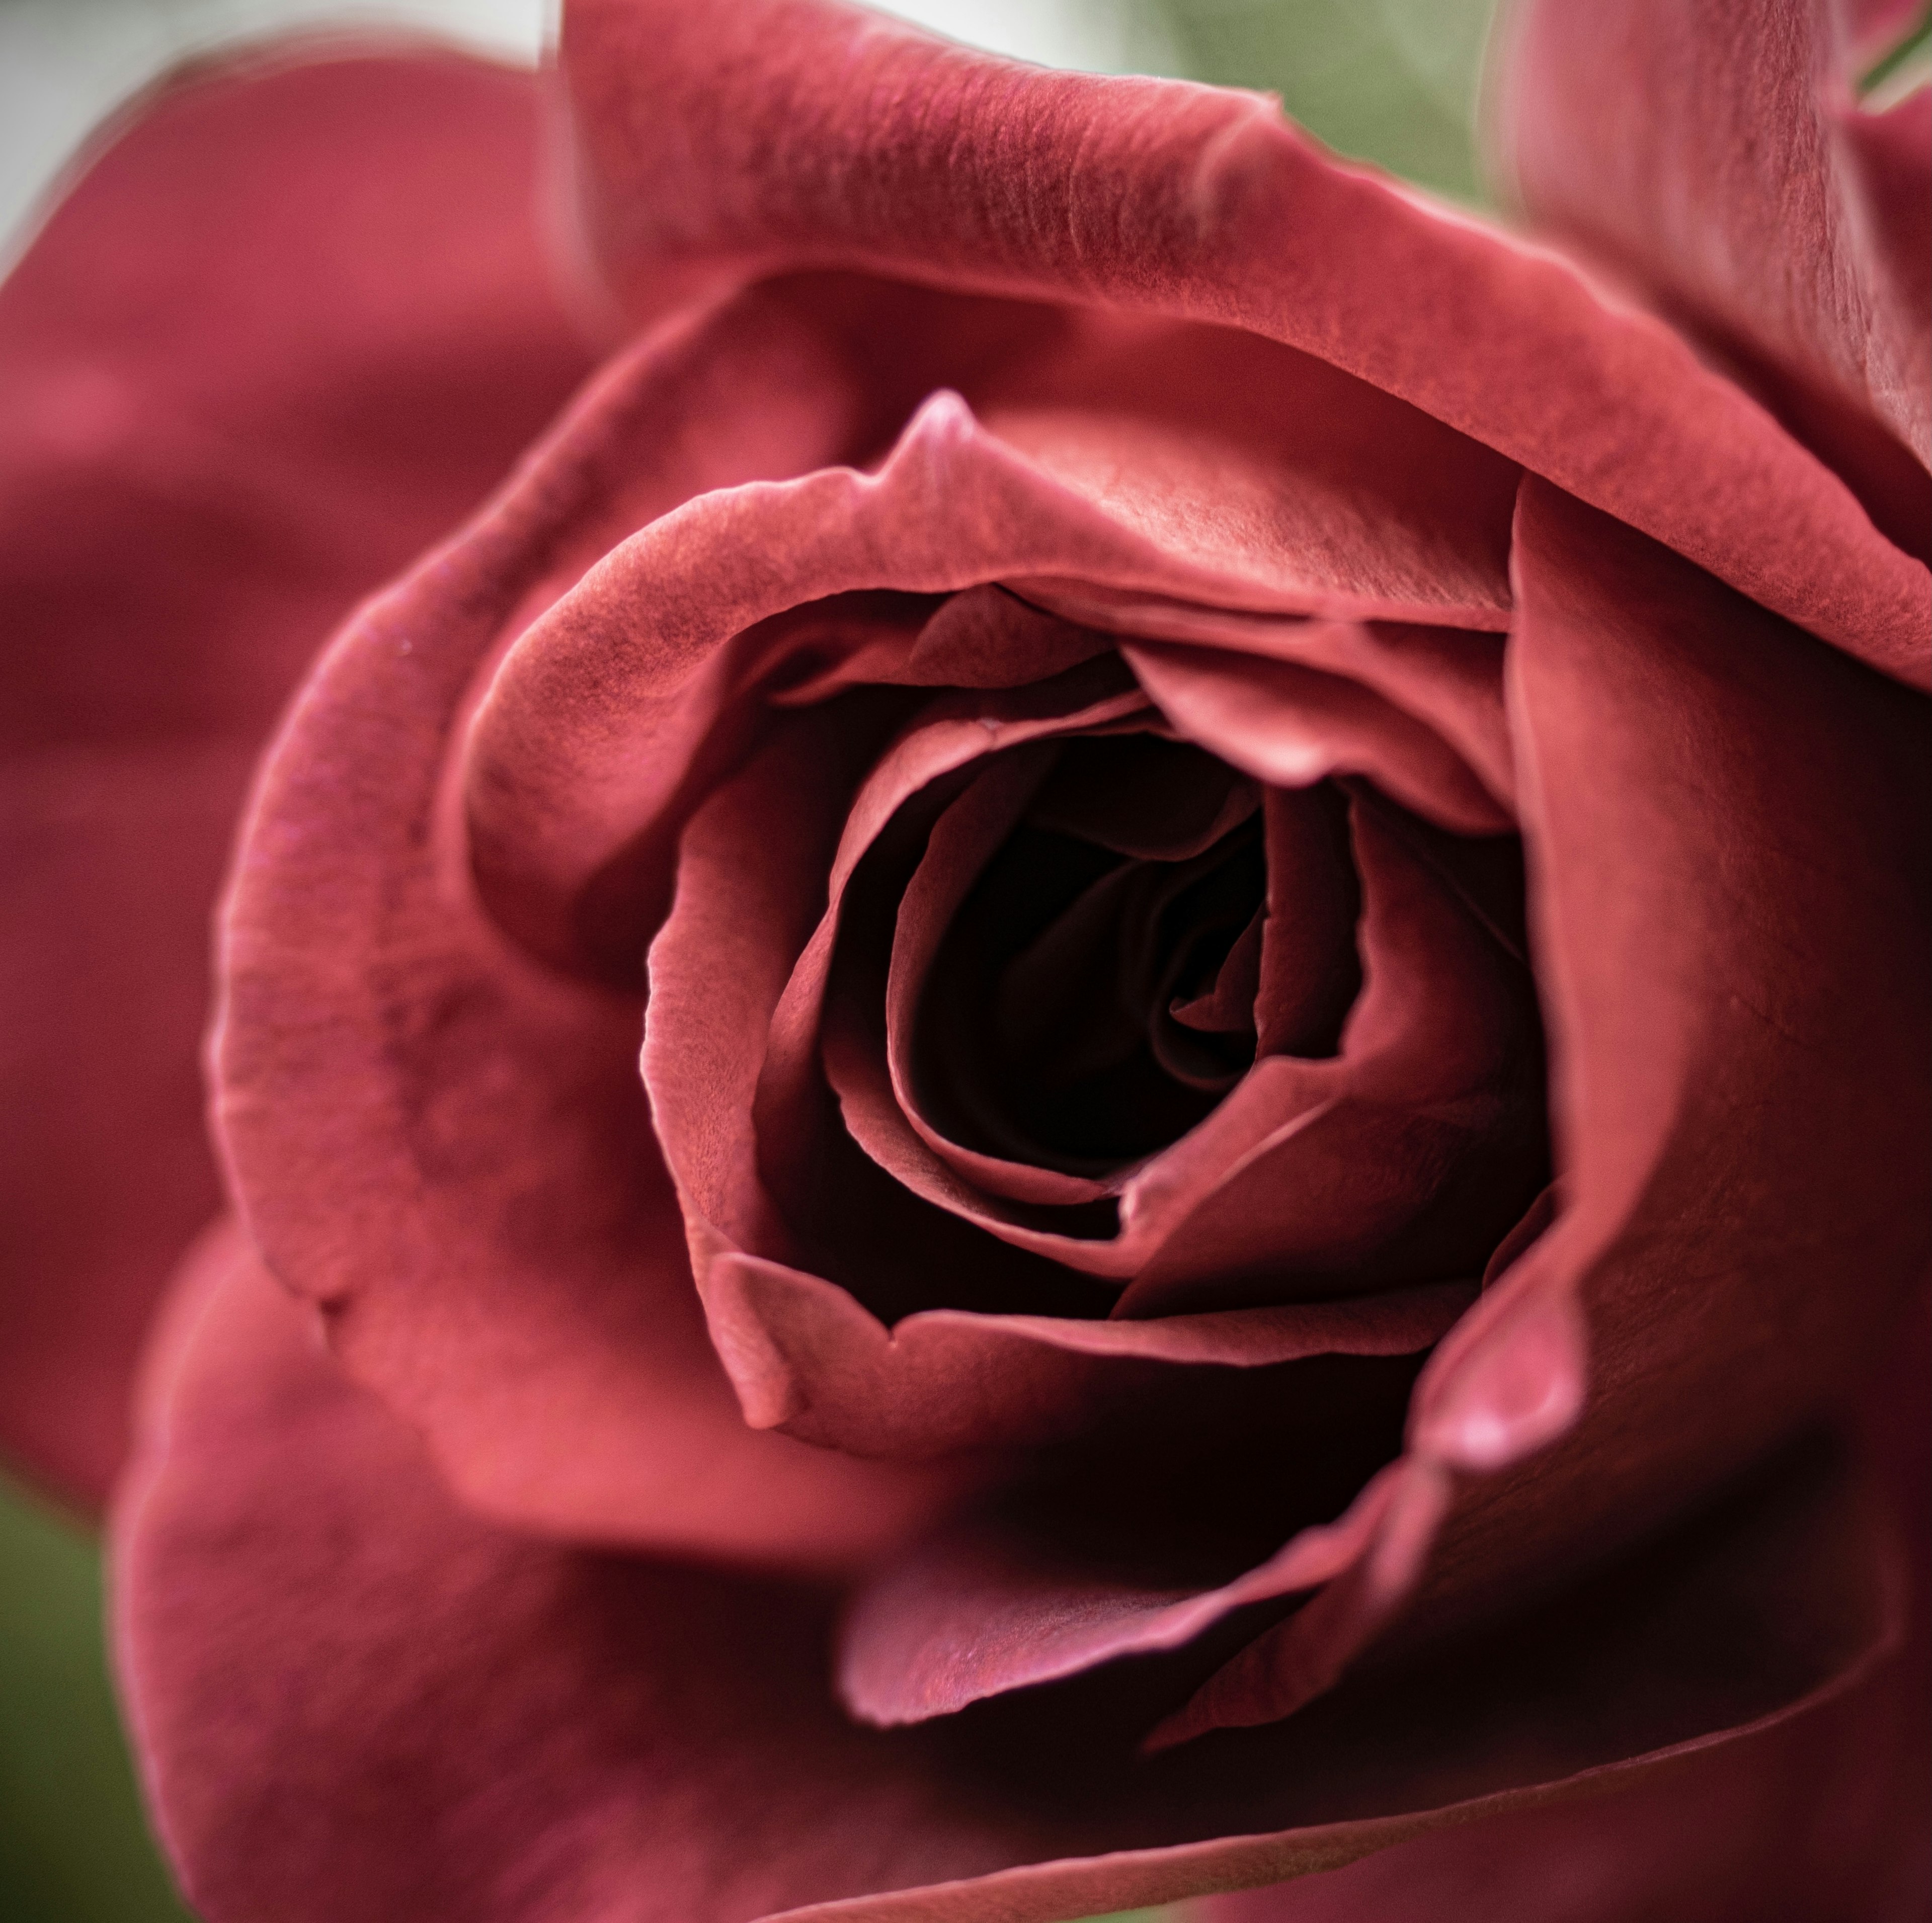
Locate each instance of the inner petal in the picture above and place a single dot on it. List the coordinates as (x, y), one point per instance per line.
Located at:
(1045, 1029)
(1227, 1004)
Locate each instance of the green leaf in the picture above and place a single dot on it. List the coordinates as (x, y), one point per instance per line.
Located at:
(1908, 65)
(73, 1846)
(1390, 81)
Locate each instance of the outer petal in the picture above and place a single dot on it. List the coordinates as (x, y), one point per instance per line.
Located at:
(353, 1698)
(285, 329)
(1827, 1826)
(1718, 815)
(793, 132)
(1711, 151)
(439, 1142)
(1819, 1828)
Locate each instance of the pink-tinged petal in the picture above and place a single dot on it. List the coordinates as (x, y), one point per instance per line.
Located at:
(1010, 1600)
(1308, 973)
(1327, 1196)
(1888, 153)
(1712, 153)
(873, 1083)
(1822, 1824)
(881, 1013)
(1717, 813)
(958, 1046)
(1450, 679)
(765, 866)
(771, 1184)
(569, 765)
(1217, 441)
(288, 326)
(352, 1698)
(1810, 1831)
(1292, 726)
(789, 1114)
(110, 859)
(442, 1144)
(805, 1355)
(1425, 1144)
(804, 132)
(1360, 1151)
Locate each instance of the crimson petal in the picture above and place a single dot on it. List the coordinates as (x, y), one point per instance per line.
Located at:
(288, 326)
(354, 1699)
(568, 763)
(787, 133)
(1726, 1115)
(446, 1145)
(1715, 155)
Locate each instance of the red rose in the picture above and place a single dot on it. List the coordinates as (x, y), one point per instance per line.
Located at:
(1268, 855)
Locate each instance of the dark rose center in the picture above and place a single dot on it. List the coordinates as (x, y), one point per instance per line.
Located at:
(1094, 997)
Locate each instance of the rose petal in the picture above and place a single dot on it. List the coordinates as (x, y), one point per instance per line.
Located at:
(1133, 794)
(1291, 726)
(803, 1352)
(802, 132)
(568, 764)
(1215, 441)
(353, 1698)
(1820, 1825)
(1759, 200)
(1451, 678)
(949, 735)
(983, 637)
(1423, 1147)
(989, 1607)
(1302, 1159)
(1309, 967)
(287, 326)
(446, 1146)
(1717, 812)
(806, 1355)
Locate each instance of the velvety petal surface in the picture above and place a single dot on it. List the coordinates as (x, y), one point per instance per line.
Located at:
(1290, 725)
(288, 324)
(1717, 812)
(441, 1142)
(1824, 1826)
(355, 1698)
(570, 762)
(1716, 154)
(1816, 1829)
(1451, 679)
(804, 132)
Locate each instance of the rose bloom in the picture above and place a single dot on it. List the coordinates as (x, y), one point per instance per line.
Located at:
(1265, 850)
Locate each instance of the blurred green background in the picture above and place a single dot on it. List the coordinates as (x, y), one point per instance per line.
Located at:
(1392, 80)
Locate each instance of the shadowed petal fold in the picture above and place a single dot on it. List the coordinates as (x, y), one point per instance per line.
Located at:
(1716, 813)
